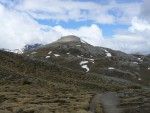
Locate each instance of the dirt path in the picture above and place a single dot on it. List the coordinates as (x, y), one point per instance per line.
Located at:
(109, 100)
(93, 102)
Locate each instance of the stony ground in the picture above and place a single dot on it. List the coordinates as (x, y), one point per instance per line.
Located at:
(28, 85)
(135, 101)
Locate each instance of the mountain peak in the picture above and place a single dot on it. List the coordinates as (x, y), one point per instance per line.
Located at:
(69, 38)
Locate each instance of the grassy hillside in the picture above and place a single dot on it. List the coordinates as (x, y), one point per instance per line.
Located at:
(33, 86)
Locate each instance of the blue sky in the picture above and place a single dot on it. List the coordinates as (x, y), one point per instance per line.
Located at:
(108, 30)
(117, 24)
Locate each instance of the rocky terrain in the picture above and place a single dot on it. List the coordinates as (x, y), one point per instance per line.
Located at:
(72, 76)
(76, 54)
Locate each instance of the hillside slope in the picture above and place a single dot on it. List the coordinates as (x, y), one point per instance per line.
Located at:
(42, 85)
(34, 86)
(74, 53)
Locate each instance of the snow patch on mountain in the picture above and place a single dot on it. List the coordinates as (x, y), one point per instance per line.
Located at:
(47, 57)
(85, 67)
(56, 55)
(91, 60)
(111, 68)
(78, 45)
(33, 53)
(139, 78)
(24, 49)
(79, 56)
(135, 62)
(49, 52)
(108, 54)
(84, 62)
(140, 59)
(105, 50)
(17, 51)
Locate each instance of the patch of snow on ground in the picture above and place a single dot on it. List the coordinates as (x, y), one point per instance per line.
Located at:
(135, 62)
(106, 51)
(78, 56)
(108, 54)
(148, 68)
(84, 62)
(140, 59)
(18, 51)
(78, 45)
(56, 55)
(33, 53)
(68, 53)
(85, 67)
(111, 68)
(91, 60)
(47, 57)
(139, 79)
(50, 52)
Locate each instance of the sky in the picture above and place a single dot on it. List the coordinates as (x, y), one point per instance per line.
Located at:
(117, 24)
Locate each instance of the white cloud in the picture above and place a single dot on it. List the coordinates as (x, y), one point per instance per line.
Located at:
(135, 40)
(139, 25)
(91, 34)
(65, 10)
(18, 29)
(17, 26)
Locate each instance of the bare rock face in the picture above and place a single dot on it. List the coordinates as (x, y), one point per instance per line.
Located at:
(70, 38)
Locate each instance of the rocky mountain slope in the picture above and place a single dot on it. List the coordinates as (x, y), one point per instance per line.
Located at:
(28, 85)
(27, 47)
(30, 47)
(66, 76)
(74, 53)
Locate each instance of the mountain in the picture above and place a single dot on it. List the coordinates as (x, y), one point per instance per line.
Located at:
(148, 55)
(17, 51)
(27, 47)
(72, 76)
(30, 47)
(72, 52)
